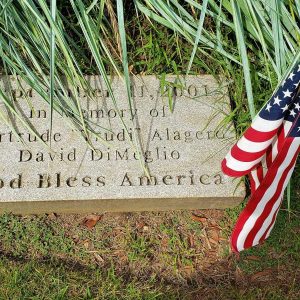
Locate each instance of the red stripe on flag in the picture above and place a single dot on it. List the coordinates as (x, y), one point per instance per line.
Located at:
(269, 158)
(231, 172)
(245, 156)
(260, 172)
(264, 236)
(254, 201)
(281, 137)
(252, 183)
(254, 135)
(268, 208)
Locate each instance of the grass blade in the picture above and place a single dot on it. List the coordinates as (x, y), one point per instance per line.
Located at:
(243, 54)
(198, 34)
(52, 64)
(121, 25)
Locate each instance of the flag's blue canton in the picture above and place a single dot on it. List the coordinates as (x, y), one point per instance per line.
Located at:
(279, 105)
(295, 132)
(293, 111)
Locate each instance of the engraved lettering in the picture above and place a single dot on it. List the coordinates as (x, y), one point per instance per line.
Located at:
(152, 180)
(16, 183)
(204, 179)
(167, 179)
(44, 181)
(126, 180)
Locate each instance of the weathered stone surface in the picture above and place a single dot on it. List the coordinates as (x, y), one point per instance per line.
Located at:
(182, 149)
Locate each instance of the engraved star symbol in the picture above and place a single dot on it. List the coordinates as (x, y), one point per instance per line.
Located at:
(285, 108)
(292, 113)
(297, 106)
(268, 107)
(291, 76)
(283, 83)
(277, 100)
(298, 68)
(298, 129)
(287, 93)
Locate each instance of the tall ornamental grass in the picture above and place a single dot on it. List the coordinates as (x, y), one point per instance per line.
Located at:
(48, 46)
(248, 33)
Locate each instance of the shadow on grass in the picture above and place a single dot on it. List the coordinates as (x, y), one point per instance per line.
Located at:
(270, 271)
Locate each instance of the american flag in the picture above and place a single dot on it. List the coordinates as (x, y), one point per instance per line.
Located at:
(267, 152)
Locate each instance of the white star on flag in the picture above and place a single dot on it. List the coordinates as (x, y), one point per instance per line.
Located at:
(291, 76)
(268, 107)
(292, 113)
(285, 108)
(287, 93)
(277, 100)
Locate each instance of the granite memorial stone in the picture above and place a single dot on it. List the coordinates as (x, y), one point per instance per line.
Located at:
(174, 130)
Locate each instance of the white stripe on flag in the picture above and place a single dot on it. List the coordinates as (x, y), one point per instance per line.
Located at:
(238, 165)
(264, 125)
(270, 229)
(255, 179)
(287, 127)
(264, 166)
(268, 220)
(252, 147)
(275, 150)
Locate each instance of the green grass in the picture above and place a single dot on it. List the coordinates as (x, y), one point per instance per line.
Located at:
(143, 256)
(31, 280)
